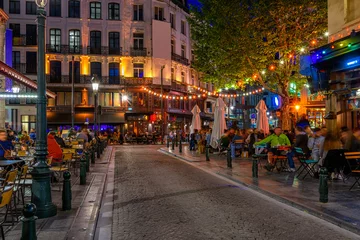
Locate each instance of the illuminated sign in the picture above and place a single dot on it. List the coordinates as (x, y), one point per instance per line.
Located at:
(276, 101)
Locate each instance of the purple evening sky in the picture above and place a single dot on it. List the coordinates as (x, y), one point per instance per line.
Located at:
(194, 2)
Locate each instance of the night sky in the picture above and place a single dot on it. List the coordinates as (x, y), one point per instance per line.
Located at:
(194, 2)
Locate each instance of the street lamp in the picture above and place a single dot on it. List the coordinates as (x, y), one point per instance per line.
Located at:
(95, 82)
(162, 105)
(41, 188)
(15, 88)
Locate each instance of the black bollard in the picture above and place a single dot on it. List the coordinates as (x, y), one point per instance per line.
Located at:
(87, 158)
(180, 146)
(92, 154)
(207, 153)
(173, 144)
(82, 170)
(66, 194)
(323, 186)
(29, 225)
(228, 158)
(255, 168)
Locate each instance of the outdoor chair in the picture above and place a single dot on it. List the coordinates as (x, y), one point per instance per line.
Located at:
(353, 159)
(6, 196)
(307, 165)
(58, 170)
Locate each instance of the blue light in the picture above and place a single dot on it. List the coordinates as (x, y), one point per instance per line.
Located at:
(276, 101)
(323, 52)
(352, 63)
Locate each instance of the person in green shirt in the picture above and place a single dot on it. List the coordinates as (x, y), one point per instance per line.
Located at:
(277, 139)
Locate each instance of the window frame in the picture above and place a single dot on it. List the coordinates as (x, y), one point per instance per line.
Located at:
(183, 51)
(94, 7)
(183, 78)
(76, 71)
(138, 42)
(96, 66)
(73, 9)
(114, 68)
(55, 8)
(75, 38)
(173, 21)
(55, 39)
(16, 55)
(183, 27)
(31, 8)
(114, 42)
(113, 13)
(138, 12)
(159, 13)
(31, 41)
(138, 70)
(55, 72)
(14, 6)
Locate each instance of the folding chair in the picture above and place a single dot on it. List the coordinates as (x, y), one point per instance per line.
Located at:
(58, 170)
(307, 165)
(353, 159)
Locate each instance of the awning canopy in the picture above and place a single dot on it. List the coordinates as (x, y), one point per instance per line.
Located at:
(13, 74)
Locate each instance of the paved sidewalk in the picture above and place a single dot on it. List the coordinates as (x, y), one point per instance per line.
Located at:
(80, 221)
(343, 208)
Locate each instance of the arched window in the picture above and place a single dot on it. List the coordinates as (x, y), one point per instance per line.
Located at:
(114, 11)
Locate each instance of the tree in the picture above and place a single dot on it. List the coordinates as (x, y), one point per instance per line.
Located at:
(256, 42)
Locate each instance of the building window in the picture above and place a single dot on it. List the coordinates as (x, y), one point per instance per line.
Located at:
(28, 122)
(114, 75)
(31, 62)
(192, 56)
(183, 51)
(138, 70)
(159, 13)
(183, 27)
(138, 12)
(173, 46)
(63, 98)
(2, 4)
(74, 41)
(114, 11)
(172, 73)
(55, 72)
(173, 21)
(95, 42)
(192, 80)
(76, 71)
(55, 40)
(55, 8)
(183, 77)
(114, 43)
(31, 8)
(95, 69)
(31, 34)
(138, 40)
(95, 10)
(17, 40)
(74, 9)
(14, 6)
(16, 60)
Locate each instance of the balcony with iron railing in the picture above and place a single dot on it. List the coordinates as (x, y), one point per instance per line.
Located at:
(138, 52)
(63, 49)
(180, 59)
(24, 40)
(115, 51)
(113, 80)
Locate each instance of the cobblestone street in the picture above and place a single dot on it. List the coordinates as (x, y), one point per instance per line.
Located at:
(159, 197)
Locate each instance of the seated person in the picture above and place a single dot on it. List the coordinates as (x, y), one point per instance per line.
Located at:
(54, 149)
(301, 141)
(234, 146)
(5, 144)
(276, 139)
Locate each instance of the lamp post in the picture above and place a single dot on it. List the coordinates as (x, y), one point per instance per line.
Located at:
(41, 188)
(72, 92)
(95, 86)
(162, 106)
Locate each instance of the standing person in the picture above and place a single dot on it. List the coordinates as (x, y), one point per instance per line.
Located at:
(193, 140)
(5, 145)
(316, 146)
(208, 137)
(276, 139)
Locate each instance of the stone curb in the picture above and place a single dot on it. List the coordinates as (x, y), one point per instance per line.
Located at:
(311, 211)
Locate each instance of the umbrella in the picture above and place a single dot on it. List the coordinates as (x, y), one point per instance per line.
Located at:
(262, 119)
(196, 122)
(219, 123)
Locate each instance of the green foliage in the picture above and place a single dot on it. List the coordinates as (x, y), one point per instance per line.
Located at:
(236, 40)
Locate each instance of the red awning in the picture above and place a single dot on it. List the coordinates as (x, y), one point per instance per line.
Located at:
(13, 74)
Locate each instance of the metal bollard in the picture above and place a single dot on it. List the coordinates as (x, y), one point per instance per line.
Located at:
(82, 170)
(323, 186)
(98, 150)
(173, 144)
(228, 158)
(255, 168)
(66, 194)
(93, 154)
(207, 153)
(29, 225)
(87, 158)
(180, 146)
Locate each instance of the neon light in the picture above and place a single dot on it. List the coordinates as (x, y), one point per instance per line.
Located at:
(352, 62)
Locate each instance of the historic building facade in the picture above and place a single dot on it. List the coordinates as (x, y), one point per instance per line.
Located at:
(125, 43)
